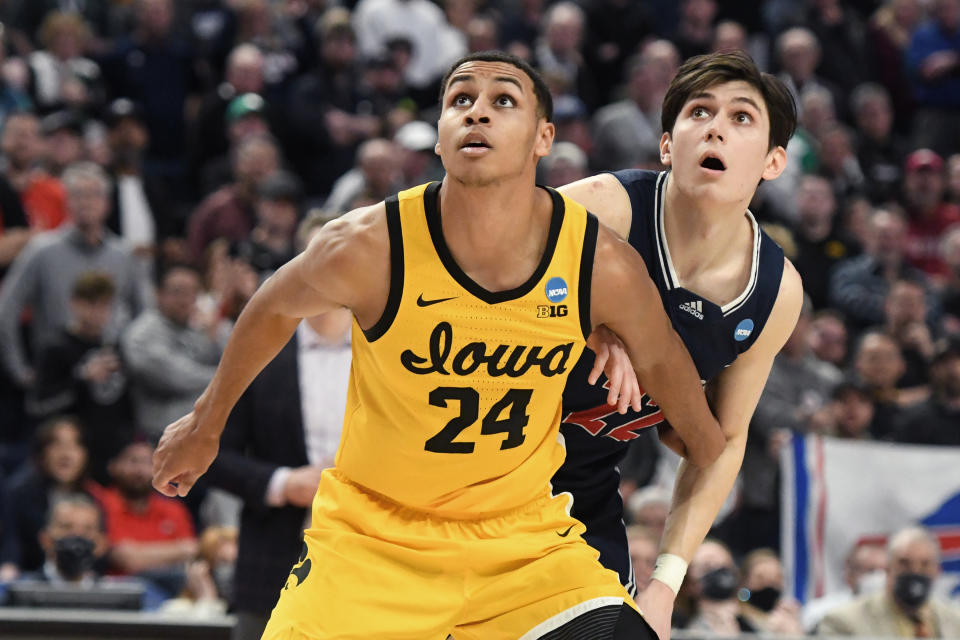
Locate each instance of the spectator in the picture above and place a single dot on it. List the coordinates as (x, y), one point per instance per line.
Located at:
(42, 196)
(420, 22)
(711, 586)
(614, 27)
(245, 117)
(37, 276)
(933, 60)
(648, 507)
(762, 601)
(889, 32)
(73, 542)
(798, 387)
(61, 77)
(950, 251)
(12, 96)
(229, 211)
(31, 15)
(828, 338)
(260, 23)
(150, 536)
(271, 243)
(559, 56)
(627, 133)
(819, 246)
(728, 36)
(15, 232)
(905, 608)
(859, 285)
(483, 34)
(63, 138)
(58, 467)
(170, 361)
(276, 469)
(879, 149)
(928, 212)
(325, 116)
(81, 374)
(953, 179)
(798, 52)
(565, 164)
(880, 365)
(204, 594)
(838, 162)
(644, 545)
(143, 211)
(376, 176)
(695, 30)
(152, 66)
(416, 141)
(905, 309)
(572, 123)
(851, 414)
(864, 573)
(937, 419)
(843, 41)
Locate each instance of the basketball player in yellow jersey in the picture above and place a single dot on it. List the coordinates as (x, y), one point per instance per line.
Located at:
(473, 298)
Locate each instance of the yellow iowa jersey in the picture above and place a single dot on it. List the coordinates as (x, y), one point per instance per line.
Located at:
(454, 398)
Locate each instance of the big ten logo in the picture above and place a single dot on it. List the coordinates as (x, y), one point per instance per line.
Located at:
(552, 310)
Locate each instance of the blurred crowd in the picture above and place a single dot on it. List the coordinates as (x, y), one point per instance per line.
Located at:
(159, 159)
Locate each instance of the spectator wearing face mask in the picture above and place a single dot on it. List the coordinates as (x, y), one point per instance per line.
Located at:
(763, 604)
(864, 572)
(905, 607)
(711, 587)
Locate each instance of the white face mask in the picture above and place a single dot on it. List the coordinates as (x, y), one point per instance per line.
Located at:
(871, 582)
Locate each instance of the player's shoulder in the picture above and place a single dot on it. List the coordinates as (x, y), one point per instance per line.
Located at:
(357, 237)
(786, 306)
(604, 196)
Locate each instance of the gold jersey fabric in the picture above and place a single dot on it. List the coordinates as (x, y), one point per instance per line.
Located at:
(454, 399)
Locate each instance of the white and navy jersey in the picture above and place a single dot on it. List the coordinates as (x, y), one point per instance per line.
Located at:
(596, 436)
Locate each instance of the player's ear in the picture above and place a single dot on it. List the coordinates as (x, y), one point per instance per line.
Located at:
(436, 148)
(775, 163)
(665, 145)
(544, 142)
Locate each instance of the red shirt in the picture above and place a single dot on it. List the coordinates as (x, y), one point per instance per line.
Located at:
(163, 520)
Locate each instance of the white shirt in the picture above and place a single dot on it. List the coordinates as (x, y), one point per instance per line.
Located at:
(136, 219)
(323, 376)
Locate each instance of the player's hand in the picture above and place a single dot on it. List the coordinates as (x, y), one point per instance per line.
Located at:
(613, 361)
(183, 455)
(301, 485)
(656, 604)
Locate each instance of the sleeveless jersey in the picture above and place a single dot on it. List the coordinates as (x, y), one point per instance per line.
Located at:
(454, 399)
(596, 435)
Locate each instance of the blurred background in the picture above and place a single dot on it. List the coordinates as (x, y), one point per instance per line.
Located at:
(160, 158)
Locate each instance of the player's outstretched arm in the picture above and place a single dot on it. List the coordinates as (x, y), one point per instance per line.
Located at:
(700, 492)
(346, 265)
(625, 299)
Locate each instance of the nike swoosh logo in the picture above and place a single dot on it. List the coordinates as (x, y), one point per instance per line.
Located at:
(565, 533)
(426, 303)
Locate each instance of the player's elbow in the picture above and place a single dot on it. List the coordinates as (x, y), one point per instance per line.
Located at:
(705, 450)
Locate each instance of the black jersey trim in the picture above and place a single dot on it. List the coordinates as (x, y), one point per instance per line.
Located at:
(431, 202)
(396, 272)
(586, 272)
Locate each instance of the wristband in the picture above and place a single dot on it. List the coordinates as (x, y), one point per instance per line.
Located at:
(670, 570)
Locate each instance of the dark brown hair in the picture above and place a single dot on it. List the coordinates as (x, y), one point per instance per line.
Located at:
(540, 89)
(93, 286)
(701, 72)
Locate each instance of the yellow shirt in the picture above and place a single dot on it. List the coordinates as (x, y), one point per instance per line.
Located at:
(454, 398)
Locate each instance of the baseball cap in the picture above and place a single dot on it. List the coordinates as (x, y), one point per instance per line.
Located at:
(416, 136)
(923, 159)
(245, 105)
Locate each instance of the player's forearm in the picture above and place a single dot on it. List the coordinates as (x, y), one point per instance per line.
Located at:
(698, 495)
(260, 333)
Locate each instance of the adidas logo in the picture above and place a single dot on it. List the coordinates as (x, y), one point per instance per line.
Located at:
(694, 308)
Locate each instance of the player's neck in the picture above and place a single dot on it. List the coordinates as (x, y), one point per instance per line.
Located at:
(496, 233)
(706, 237)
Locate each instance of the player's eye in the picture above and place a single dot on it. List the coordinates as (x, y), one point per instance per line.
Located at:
(743, 117)
(699, 112)
(461, 100)
(505, 101)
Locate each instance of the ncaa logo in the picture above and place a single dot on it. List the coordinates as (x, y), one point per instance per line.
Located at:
(556, 289)
(743, 330)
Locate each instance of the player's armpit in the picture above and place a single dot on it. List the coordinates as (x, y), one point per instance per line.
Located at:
(625, 299)
(606, 198)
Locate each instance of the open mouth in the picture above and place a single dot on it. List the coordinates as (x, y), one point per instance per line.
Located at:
(714, 163)
(475, 145)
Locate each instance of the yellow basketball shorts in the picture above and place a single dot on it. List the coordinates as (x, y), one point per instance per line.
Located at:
(373, 569)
